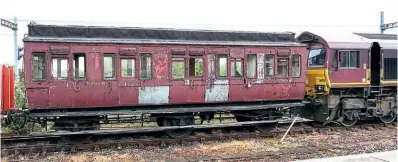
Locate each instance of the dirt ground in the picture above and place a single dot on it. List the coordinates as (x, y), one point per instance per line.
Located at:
(355, 141)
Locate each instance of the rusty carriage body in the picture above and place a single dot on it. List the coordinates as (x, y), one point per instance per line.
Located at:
(76, 75)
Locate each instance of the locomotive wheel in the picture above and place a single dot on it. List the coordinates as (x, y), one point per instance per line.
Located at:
(178, 121)
(390, 117)
(347, 122)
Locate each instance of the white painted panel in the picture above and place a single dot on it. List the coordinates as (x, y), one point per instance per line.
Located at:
(153, 95)
(217, 92)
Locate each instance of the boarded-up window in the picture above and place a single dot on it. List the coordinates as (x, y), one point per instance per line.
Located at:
(178, 68)
(269, 65)
(195, 66)
(349, 59)
(390, 69)
(251, 65)
(109, 66)
(283, 67)
(222, 65)
(59, 68)
(296, 66)
(128, 67)
(39, 66)
(236, 68)
(79, 62)
(146, 66)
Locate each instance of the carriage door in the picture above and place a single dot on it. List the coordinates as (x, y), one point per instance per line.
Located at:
(217, 89)
(283, 79)
(375, 54)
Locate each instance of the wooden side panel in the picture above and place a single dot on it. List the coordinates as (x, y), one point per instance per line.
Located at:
(38, 97)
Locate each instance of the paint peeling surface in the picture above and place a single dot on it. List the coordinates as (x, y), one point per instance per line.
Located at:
(153, 95)
(260, 68)
(218, 92)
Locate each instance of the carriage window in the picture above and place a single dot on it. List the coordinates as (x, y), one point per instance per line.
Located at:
(109, 66)
(269, 65)
(296, 66)
(79, 61)
(236, 68)
(349, 59)
(222, 65)
(39, 66)
(178, 68)
(128, 67)
(251, 65)
(195, 67)
(146, 66)
(59, 68)
(282, 67)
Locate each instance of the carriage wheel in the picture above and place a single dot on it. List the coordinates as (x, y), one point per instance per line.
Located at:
(178, 121)
(257, 116)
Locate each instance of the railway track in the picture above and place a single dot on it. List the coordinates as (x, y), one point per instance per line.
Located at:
(44, 148)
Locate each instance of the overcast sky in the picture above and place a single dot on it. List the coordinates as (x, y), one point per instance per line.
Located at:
(261, 15)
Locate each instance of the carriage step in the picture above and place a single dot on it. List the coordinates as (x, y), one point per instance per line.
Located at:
(374, 91)
(372, 108)
(372, 100)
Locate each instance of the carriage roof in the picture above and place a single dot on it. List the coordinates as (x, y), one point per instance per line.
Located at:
(135, 35)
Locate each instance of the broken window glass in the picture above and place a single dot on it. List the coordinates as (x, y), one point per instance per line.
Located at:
(146, 66)
(251, 65)
(283, 67)
(296, 66)
(109, 66)
(269, 65)
(128, 67)
(39, 66)
(222, 65)
(195, 66)
(79, 62)
(59, 68)
(178, 68)
(236, 68)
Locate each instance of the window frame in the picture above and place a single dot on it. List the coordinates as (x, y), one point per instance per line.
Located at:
(79, 54)
(287, 68)
(140, 66)
(171, 66)
(218, 66)
(134, 69)
(113, 56)
(188, 67)
(349, 59)
(67, 67)
(246, 65)
(265, 65)
(299, 65)
(234, 60)
(44, 69)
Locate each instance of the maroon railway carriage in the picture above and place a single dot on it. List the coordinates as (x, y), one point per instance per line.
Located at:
(75, 71)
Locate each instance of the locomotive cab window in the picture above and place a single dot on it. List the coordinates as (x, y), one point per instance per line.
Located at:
(316, 57)
(59, 68)
(222, 65)
(196, 66)
(79, 62)
(109, 66)
(269, 65)
(236, 68)
(146, 66)
(283, 67)
(349, 59)
(128, 67)
(39, 66)
(296, 65)
(251, 65)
